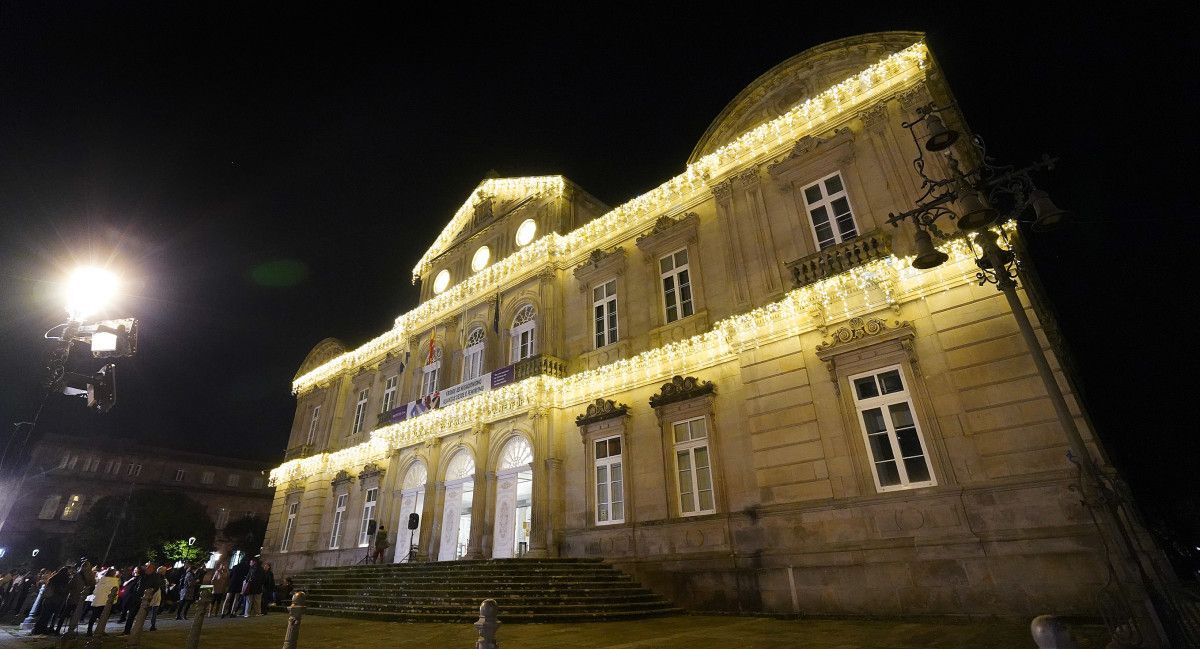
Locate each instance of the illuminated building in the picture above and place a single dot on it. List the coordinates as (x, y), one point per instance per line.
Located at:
(734, 386)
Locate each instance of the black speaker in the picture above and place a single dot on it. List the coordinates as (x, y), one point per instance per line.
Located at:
(414, 521)
(371, 527)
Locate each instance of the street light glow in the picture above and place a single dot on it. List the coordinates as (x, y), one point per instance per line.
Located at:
(89, 289)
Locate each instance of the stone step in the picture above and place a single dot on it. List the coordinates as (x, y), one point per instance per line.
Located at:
(325, 599)
(470, 582)
(516, 618)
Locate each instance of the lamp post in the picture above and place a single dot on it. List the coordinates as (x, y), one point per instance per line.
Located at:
(978, 199)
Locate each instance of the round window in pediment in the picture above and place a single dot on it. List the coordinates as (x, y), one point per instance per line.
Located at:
(441, 281)
(526, 232)
(481, 258)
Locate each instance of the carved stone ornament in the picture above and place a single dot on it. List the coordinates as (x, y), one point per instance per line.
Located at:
(341, 477)
(600, 263)
(369, 471)
(663, 224)
(858, 329)
(601, 410)
(723, 190)
(875, 115)
(681, 389)
(294, 485)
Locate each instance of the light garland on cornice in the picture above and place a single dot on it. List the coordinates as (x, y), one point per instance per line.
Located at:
(864, 289)
(878, 80)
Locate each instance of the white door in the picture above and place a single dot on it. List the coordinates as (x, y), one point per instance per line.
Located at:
(410, 502)
(450, 521)
(503, 536)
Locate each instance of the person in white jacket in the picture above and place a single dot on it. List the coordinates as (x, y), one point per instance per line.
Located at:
(106, 581)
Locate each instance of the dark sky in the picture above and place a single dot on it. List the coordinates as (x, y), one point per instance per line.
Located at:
(264, 180)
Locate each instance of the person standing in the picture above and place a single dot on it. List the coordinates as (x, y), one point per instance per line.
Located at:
(104, 586)
(148, 579)
(127, 598)
(237, 579)
(253, 588)
(381, 545)
(53, 599)
(220, 584)
(187, 583)
(268, 596)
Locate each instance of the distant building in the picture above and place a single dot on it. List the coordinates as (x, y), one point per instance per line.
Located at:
(734, 386)
(68, 474)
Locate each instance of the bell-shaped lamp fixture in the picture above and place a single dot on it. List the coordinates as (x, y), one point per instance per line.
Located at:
(1048, 215)
(926, 255)
(976, 214)
(940, 137)
(988, 241)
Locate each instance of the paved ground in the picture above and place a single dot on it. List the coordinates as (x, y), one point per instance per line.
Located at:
(690, 631)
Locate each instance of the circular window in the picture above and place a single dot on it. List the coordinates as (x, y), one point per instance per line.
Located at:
(481, 259)
(526, 232)
(441, 281)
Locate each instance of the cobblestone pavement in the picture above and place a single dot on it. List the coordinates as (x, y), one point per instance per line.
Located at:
(690, 631)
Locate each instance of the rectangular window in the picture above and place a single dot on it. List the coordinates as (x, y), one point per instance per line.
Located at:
(179, 475)
(604, 313)
(290, 527)
(473, 355)
(364, 536)
(677, 285)
(108, 467)
(74, 508)
(360, 411)
(693, 467)
(429, 379)
(610, 481)
(313, 423)
(92, 465)
(74, 461)
(257, 483)
(206, 477)
(233, 480)
(389, 393)
(222, 518)
(889, 425)
(829, 211)
(116, 468)
(66, 459)
(339, 513)
(49, 507)
(135, 470)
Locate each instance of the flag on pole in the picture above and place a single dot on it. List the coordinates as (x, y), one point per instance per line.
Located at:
(432, 338)
(496, 315)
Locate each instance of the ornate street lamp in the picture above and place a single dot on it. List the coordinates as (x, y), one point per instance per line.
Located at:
(978, 199)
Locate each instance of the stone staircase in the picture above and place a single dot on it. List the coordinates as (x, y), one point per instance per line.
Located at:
(526, 590)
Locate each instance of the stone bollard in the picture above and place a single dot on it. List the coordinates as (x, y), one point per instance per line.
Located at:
(68, 639)
(31, 620)
(1050, 632)
(135, 635)
(193, 639)
(97, 639)
(487, 625)
(295, 611)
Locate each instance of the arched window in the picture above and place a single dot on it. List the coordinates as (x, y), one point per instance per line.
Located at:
(460, 466)
(50, 507)
(516, 453)
(473, 354)
(415, 477)
(429, 377)
(524, 327)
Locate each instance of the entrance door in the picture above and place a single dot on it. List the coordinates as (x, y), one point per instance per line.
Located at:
(411, 502)
(450, 522)
(514, 491)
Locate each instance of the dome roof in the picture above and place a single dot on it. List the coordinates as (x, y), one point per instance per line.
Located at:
(797, 79)
(322, 353)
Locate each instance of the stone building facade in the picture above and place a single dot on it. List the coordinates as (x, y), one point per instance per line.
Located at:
(68, 474)
(733, 386)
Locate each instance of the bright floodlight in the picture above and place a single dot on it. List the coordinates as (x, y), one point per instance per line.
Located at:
(88, 290)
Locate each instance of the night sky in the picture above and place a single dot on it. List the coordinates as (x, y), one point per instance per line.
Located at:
(264, 180)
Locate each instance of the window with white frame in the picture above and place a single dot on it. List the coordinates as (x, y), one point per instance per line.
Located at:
(92, 464)
(206, 477)
(524, 328)
(829, 211)
(256, 483)
(473, 354)
(677, 285)
(74, 461)
(429, 374)
(364, 536)
(604, 313)
(889, 424)
(289, 527)
(693, 467)
(49, 507)
(116, 468)
(233, 480)
(66, 459)
(360, 411)
(313, 422)
(134, 470)
(389, 393)
(73, 508)
(610, 481)
(339, 514)
(179, 475)
(222, 517)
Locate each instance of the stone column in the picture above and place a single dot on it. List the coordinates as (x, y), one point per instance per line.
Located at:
(430, 508)
(539, 511)
(479, 507)
(431, 535)
(489, 522)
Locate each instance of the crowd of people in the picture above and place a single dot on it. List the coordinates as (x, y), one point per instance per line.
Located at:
(247, 589)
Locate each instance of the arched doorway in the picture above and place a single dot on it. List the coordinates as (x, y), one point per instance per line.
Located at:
(514, 495)
(456, 514)
(412, 501)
